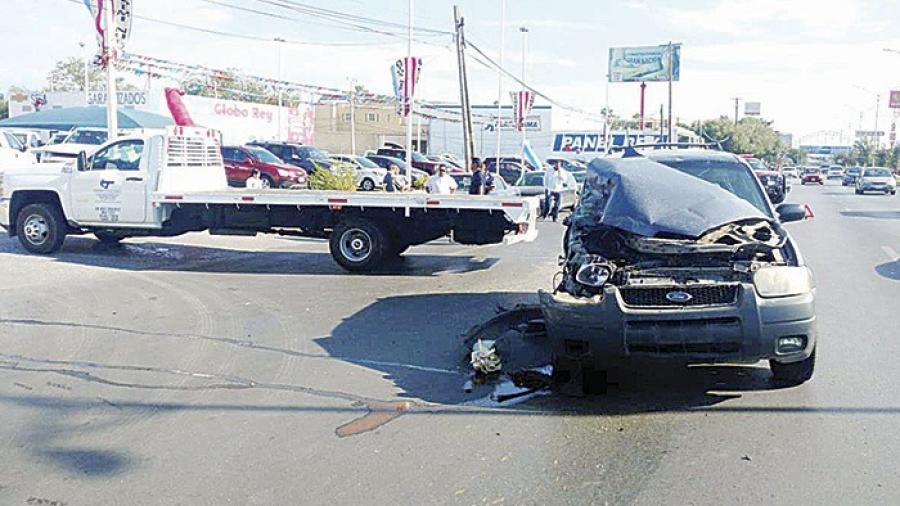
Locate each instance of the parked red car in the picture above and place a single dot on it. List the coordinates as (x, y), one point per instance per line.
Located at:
(241, 160)
(811, 176)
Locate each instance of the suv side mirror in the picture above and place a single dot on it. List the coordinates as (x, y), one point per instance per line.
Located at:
(81, 163)
(790, 212)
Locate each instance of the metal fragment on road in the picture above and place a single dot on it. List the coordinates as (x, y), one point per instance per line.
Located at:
(484, 357)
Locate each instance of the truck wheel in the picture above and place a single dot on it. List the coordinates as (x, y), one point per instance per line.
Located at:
(793, 374)
(109, 238)
(367, 185)
(358, 245)
(41, 228)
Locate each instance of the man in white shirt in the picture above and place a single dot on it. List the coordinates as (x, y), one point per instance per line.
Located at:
(441, 183)
(254, 182)
(555, 182)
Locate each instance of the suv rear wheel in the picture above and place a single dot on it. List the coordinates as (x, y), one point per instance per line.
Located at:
(795, 373)
(41, 228)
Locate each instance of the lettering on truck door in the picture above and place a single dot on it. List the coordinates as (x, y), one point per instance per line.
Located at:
(113, 188)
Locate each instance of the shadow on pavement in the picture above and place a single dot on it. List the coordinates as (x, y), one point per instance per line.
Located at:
(153, 256)
(876, 214)
(426, 330)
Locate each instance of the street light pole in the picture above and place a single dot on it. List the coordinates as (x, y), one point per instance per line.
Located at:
(352, 117)
(409, 98)
(523, 107)
(279, 41)
(87, 86)
(500, 80)
(112, 99)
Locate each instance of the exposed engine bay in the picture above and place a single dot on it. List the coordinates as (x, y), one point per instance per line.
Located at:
(726, 254)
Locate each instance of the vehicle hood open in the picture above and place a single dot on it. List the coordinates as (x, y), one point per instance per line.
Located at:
(646, 198)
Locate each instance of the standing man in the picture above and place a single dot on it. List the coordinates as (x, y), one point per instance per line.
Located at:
(488, 179)
(441, 183)
(392, 180)
(477, 187)
(555, 181)
(254, 182)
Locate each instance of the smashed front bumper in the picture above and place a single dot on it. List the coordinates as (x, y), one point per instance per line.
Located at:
(747, 329)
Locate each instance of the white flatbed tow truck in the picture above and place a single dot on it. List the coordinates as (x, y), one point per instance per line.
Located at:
(173, 182)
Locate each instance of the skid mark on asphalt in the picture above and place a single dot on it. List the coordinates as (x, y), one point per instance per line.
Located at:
(372, 413)
(243, 343)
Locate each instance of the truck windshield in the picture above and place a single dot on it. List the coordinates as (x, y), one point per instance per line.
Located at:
(95, 137)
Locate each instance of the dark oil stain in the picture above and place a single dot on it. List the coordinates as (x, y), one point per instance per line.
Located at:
(377, 415)
(21, 385)
(59, 386)
(40, 501)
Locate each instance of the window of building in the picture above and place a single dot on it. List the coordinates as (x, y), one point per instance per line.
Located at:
(347, 117)
(372, 117)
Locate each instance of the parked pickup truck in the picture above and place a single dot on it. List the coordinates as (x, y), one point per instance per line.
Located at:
(173, 182)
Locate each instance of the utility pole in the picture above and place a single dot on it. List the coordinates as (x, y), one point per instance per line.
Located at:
(524, 107)
(877, 106)
(661, 123)
(468, 140)
(500, 81)
(280, 41)
(736, 102)
(112, 102)
(671, 72)
(352, 117)
(87, 80)
(643, 91)
(409, 99)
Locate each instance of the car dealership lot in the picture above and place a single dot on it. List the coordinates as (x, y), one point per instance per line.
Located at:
(257, 371)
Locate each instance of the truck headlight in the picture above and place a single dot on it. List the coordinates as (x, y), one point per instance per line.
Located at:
(593, 274)
(782, 281)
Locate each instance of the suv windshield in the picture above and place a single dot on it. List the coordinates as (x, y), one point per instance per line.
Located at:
(311, 153)
(731, 176)
(95, 137)
(263, 155)
(854, 171)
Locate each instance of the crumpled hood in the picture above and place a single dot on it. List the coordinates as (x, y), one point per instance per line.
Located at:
(646, 198)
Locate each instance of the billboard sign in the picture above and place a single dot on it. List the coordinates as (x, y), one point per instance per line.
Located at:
(643, 64)
(752, 108)
(895, 99)
(868, 134)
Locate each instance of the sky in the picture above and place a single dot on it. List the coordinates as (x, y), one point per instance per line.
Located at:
(816, 66)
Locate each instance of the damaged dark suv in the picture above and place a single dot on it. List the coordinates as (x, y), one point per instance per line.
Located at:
(678, 254)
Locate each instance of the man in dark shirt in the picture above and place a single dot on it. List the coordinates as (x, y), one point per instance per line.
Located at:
(392, 182)
(477, 186)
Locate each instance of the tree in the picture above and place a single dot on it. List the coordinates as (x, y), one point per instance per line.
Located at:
(797, 156)
(230, 85)
(749, 135)
(68, 75)
(4, 108)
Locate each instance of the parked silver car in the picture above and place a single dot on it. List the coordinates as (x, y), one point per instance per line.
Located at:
(531, 184)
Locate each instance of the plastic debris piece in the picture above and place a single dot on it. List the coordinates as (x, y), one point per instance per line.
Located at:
(484, 357)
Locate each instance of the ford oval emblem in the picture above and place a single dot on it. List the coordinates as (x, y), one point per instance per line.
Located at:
(679, 297)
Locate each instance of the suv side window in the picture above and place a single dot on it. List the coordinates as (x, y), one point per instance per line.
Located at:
(125, 155)
(229, 154)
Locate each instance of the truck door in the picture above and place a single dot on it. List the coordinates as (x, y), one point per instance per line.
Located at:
(113, 188)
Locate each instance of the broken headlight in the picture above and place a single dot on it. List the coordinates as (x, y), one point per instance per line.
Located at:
(782, 281)
(593, 274)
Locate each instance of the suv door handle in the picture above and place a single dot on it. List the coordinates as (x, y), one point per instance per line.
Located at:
(135, 179)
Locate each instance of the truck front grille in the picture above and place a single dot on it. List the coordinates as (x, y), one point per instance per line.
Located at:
(701, 295)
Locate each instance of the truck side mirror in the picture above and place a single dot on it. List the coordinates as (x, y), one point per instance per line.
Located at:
(81, 163)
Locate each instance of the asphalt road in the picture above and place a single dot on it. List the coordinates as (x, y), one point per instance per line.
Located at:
(205, 370)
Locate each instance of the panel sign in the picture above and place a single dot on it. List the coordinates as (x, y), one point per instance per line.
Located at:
(752, 108)
(585, 142)
(643, 64)
(895, 99)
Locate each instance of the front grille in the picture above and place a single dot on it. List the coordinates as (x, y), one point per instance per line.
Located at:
(704, 336)
(701, 295)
